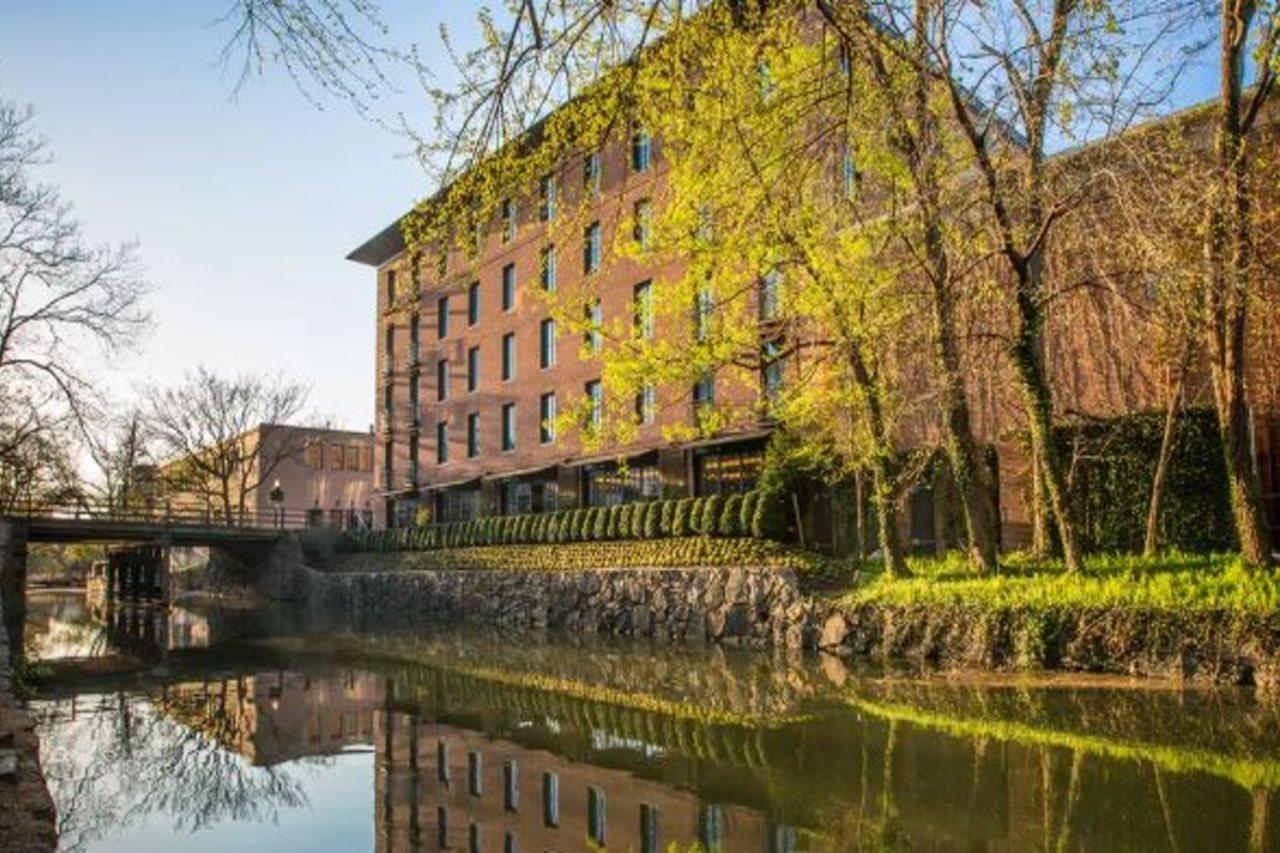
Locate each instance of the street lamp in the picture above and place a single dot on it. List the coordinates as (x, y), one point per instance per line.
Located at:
(276, 496)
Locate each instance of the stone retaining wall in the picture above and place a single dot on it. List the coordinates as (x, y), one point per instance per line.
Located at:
(745, 605)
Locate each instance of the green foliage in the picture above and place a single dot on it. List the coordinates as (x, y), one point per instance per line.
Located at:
(1111, 488)
(666, 518)
(599, 524)
(770, 521)
(710, 516)
(680, 517)
(747, 512)
(729, 524)
(653, 520)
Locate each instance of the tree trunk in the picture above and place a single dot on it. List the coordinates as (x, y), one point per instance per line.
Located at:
(884, 474)
(1150, 541)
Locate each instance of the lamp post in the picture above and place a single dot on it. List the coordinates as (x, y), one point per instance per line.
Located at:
(276, 496)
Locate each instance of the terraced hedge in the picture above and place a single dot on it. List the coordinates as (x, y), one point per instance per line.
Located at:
(757, 514)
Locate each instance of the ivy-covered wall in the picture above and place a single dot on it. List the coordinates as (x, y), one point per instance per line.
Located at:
(1114, 465)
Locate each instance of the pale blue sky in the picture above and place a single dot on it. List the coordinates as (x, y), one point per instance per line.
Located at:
(244, 209)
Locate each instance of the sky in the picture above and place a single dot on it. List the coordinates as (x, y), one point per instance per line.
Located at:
(243, 207)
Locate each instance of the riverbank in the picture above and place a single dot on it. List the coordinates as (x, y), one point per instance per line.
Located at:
(27, 816)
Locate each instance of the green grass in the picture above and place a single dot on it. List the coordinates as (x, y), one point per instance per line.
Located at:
(1171, 582)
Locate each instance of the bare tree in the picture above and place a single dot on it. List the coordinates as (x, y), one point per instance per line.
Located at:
(122, 455)
(63, 301)
(208, 427)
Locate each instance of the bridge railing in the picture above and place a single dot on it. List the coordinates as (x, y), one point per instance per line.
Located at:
(165, 515)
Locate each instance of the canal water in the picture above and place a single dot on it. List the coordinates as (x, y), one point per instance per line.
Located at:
(205, 729)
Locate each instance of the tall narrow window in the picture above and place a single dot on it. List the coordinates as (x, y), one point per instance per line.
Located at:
(391, 288)
(509, 844)
(508, 220)
(591, 172)
(711, 826)
(550, 799)
(473, 369)
(595, 815)
(704, 391)
(592, 338)
(508, 287)
(849, 175)
(473, 435)
(547, 269)
(649, 841)
(442, 827)
(641, 222)
(473, 303)
(547, 418)
(510, 785)
(591, 248)
(508, 426)
(771, 371)
(703, 308)
(413, 339)
(474, 773)
(442, 378)
(413, 459)
(547, 343)
(646, 404)
(475, 839)
(442, 317)
(415, 407)
(442, 442)
(547, 198)
(388, 450)
(640, 151)
(642, 303)
(388, 402)
(594, 403)
(508, 356)
(770, 290)
(843, 62)
(389, 348)
(442, 761)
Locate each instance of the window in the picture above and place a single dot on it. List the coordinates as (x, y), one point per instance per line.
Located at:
(473, 369)
(415, 407)
(649, 829)
(550, 799)
(594, 400)
(413, 339)
(640, 151)
(509, 843)
(547, 198)
(642, 303)
(510, 786)
(366, 458)
(508, 220)
(474, 838)
(442, 442)
(473, 435)
(770, 371)
(473, 303)
(703, 307)
(764, 80)
(474, 782)
(641, 222)
(591, 248)
(547, 269)
(442, 317)
(508, 426)
(442, 378)
(508, 356)
(388, 407)
(413, 460)
(389, 347)
(843, 62)
(391, 288)
(388, 449)
(591, 172)
(704, 391)
(849, 176)
(508, 287)
(442, 827)
(646, 404)
(726, 470)
(442, 761)
(547, 418)
(337, 456)
(711, 826)
(595, 322)
(547, 343)
(595, 814)
(314, 455)
(770, 286)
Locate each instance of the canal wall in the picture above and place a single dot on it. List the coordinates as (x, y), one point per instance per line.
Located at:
(740, 605)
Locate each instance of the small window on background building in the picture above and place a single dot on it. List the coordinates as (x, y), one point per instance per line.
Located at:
(595, 815)
(649, 841)
(508, 426)
(704, 391)
(592, 338)
(642, 303)
(849, 176)
(703, 309)
(366, 458)
(547, 198)
(442, 442)
(391, 288)
(442, 317)
(509, 844)
(474, 780)
(415, 383)
(475, 839)
(595, 400)
(508, 356)
(473, 303)
(473, 369)
(473, 435)
(547, 343)
(442, 827)
(509, 222)
(641, 222)
(508, 287)
(337, 457)
(843, 62)
(640, 151)
(591, 248)
(770, 291)
(442, 761)
(510, 786)
(646, 404)
(315, 454)
(389, 346)
(547, 417)
(711, 826)
(771, 371)
(591, 172)
(442, 378)
(388, 449)
(547, 269)
(413, 462)
(414, 338)
(388, 407)
(550, 799)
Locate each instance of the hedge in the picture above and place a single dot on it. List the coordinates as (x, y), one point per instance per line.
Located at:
(760, 515)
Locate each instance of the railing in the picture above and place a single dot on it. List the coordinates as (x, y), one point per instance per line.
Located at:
(162, 515)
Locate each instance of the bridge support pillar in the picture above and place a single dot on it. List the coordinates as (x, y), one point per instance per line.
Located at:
(13, 580)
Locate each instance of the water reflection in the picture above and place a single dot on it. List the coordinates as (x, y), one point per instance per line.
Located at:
(483, 742)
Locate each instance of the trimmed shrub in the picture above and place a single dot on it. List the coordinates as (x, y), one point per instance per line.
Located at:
(666, 517)
(770, 521)
(599, 524)
(653, 521)
(615, 521)
(680, 517)
(729, 523)
(711, 515)
(638, 513)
